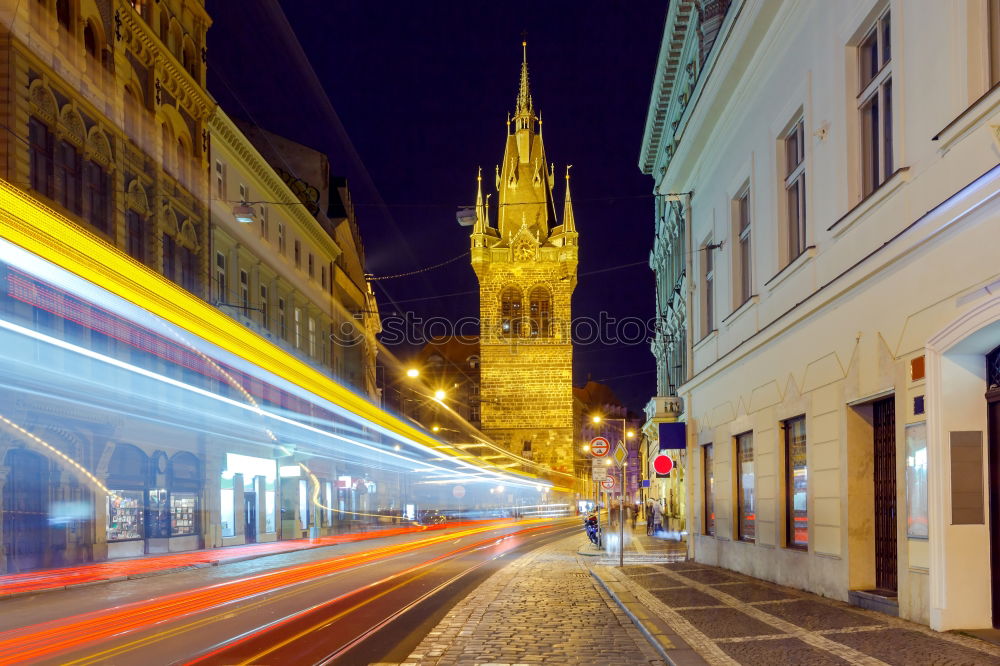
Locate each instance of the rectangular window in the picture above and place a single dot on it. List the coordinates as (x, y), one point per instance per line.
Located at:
(135, 236)
(245, 293)
(746, 512)
(796, 484)
(189, 269)
(96, 182)
(312, 336)
(281, 238)
(708, 484)
(265, 232)
(875, 105)
(265, 310)
(41, 146)
(795, 191)
(220, 180)
(916, 481)
(244, 193)
(322, 276)
(169, 257)
(298, 254)
(282, 322)
(222, 287)
(994, 39)
(297, 327)
(312, 266)
(708, 283)
(744, 255)
(67, 177)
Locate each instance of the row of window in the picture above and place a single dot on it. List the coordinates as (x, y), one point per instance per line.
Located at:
(874, 108)
(59, 172)
(221, 189)
(537, 323)
(795, 475)
(303, 331)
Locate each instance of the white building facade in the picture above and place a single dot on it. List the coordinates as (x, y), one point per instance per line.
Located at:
(835, 170)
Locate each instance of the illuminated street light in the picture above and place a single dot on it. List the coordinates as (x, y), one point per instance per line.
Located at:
(595, 418)
(586, 448)
(436, 428)
(630, 433)
(439, 394)
(413, 372)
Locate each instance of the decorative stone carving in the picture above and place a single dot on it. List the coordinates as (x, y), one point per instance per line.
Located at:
(136, 198)
(72, 125)
(98, 148)
(189, 236)
(43, 102)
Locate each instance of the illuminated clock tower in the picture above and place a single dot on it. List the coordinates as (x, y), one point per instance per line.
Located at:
(526, 266)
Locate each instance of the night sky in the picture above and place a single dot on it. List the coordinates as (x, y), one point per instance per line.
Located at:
(408, 99)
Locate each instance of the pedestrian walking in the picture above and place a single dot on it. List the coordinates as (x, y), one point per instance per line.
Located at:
(649, 517)
(657, 517)
(634, 511)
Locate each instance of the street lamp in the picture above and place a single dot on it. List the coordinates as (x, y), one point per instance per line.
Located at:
(626, 434)
(440, 395)
(412, 373)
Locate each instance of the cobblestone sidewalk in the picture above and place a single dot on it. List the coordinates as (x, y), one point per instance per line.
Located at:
(729, 618)
(542, 608)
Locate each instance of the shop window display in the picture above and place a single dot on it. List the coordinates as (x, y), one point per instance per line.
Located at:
(125, 515)
(183, 513)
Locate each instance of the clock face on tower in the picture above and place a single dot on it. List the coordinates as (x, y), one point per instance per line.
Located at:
(524, 251)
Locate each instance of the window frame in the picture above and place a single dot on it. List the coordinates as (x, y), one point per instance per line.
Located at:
(789, 473)
(740, 457)
(708, 288)
(220, 180)
(221, 278)
(743, 247)
(796, 219)
(708, 489)
(874, 104)
(136, 243)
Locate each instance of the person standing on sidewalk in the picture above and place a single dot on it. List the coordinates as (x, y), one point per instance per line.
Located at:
(657, 517)
(634, 511)
(649, 516)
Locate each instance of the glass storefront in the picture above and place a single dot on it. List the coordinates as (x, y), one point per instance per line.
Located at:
(125, 515)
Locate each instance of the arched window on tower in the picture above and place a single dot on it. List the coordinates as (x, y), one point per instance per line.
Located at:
(540, 311)
(510, 312)
(90, 40)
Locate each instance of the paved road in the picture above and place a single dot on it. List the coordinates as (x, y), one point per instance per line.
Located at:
(282, 603)
(543, 608)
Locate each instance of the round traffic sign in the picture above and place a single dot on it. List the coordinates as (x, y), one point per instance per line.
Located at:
(608, 483)
(458, 492)
(600, 446)
(663, 464)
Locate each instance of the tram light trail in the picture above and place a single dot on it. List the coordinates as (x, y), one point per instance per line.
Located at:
(56, 637)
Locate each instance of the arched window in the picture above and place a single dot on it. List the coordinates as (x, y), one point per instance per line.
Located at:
(180, 169)
(540, 311)
(164, 26)
(131, 113)
(169, 151)
(190, 60)
(510, 312)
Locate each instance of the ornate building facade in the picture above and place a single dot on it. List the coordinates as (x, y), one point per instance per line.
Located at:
(526, 266)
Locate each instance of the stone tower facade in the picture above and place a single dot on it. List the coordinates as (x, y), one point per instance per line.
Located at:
(526, 266)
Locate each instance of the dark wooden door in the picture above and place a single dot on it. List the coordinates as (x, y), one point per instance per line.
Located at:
(993, 414)
(25, 510)
(884, 416)
(250, 505)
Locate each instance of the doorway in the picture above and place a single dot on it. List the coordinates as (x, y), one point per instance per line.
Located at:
(993, 434)
(250, 512)
(25, 510)
(884, 467)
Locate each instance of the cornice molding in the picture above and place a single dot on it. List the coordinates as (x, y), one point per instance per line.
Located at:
(222, 127)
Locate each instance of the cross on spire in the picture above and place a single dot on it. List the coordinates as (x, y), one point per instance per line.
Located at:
(524, 112)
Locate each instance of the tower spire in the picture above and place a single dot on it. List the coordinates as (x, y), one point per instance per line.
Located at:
(481, 220)
(569, 223)
(524, 112)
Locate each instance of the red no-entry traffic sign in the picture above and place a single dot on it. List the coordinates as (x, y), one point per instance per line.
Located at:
(600, 446)
(663, 464)
(608, 483)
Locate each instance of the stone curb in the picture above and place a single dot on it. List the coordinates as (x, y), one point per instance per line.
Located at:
(670, 646)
